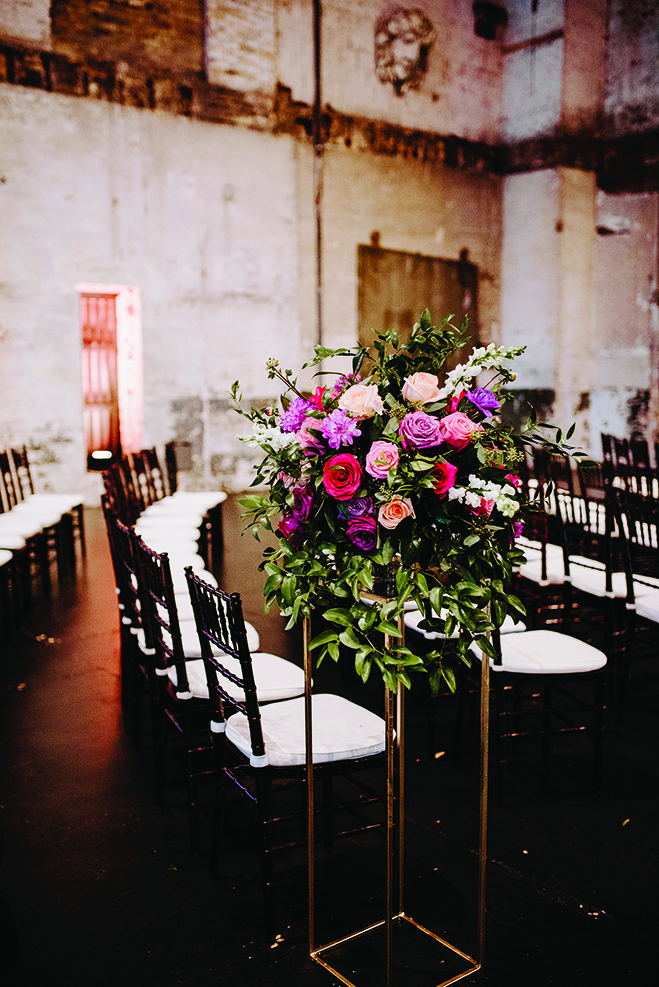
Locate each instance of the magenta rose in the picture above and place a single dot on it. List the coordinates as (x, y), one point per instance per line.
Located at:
(457, 429)
(381, 458)
(342, 475)
(291, 529)
(420, 431)
(443, 477)
(363, 532)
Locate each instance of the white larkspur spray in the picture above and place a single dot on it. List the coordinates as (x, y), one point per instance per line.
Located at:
(270, 435)
(482, 358)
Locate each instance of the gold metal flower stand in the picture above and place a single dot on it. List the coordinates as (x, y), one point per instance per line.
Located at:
(395, 836)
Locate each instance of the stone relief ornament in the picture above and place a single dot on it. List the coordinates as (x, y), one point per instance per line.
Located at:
(402, 42)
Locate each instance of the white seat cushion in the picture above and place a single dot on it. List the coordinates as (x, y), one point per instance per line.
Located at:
(275, 678)
(165, 542)
(204, 500)
(341, 731)
(532, 569)
(647, 604)
(413, 619)
(545, 653)
(11, 542)
(62, 502)
(5, 556)
(589, 576)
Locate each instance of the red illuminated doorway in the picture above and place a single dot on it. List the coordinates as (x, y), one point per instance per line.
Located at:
(111, 364)
(98, 320)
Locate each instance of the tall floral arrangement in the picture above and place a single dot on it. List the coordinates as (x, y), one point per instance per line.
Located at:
(396, 464)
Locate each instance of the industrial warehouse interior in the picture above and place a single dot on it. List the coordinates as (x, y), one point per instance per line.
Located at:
(192, 194)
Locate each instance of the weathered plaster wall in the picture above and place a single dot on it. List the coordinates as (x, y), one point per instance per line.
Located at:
(529, 272)
(624, 292)
(201, 218)
(460, 94)
(26, 20)
(421, 208)
(632, 92)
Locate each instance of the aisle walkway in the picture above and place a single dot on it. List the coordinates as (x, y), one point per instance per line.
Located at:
(97, 886)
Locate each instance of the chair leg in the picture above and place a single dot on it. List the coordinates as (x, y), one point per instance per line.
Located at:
(267, 868)
(547, 703)
(499, 741)
(598, 747)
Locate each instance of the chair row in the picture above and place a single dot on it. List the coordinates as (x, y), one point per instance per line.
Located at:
(185, 644)
(35, 529)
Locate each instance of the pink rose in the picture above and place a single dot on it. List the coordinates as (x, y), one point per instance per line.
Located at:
(381, 458)
(342, 475)
(362, 401)
(396, 510)
(484, 509)
(457, 429)
(443, 477)
(421, 387)
(308, 436)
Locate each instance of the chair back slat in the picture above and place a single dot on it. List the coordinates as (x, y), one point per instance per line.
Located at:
(154, 474)
(22, 471)
(160, 611)
(8, 497)
(221, 626)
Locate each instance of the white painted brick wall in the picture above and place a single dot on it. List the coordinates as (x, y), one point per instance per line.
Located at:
(27, 21)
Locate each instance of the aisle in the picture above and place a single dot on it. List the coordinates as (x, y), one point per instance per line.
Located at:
(97, 886)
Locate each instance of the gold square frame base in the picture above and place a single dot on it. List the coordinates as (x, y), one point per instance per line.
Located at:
(317, 956)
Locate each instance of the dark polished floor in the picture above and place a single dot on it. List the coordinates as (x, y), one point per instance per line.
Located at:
(97, 886)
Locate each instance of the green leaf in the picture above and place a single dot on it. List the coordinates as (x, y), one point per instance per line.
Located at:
(339, 615)
(325, 637)
(350, 639)
(387, 627)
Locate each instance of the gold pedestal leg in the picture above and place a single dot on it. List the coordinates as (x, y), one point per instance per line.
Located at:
(395, 842)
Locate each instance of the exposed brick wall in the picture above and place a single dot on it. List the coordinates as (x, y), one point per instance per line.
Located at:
(166, 34)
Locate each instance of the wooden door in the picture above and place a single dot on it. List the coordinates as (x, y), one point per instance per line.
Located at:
(396, 286)
(99, 379)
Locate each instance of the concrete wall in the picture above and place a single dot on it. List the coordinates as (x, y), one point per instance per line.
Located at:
(26, 20)
(201, 218)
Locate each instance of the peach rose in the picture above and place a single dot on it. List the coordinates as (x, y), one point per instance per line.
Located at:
(394, 511)
(457, 429)
(421, 387)
(362, 401)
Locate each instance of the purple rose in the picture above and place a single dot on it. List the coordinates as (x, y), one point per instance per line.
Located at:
(363, 532)
(302, 501)
(420, 431)
(356, 507)
(484, 400)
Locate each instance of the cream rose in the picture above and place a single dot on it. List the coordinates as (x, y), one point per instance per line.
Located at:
(394, 511)
(421, 387)
(362, 401)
